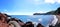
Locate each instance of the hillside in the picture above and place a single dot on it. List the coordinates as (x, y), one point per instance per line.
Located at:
(54, 12)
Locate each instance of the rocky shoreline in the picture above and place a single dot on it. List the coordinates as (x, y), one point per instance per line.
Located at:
(8, 21)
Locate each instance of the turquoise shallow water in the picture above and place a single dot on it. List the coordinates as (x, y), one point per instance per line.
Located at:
(43, 19)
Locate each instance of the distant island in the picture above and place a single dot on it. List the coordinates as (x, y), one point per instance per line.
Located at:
(54, 12)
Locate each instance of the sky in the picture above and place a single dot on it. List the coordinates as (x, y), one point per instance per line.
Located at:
(28, 7)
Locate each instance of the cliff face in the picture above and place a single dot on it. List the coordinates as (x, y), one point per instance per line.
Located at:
(56, 12)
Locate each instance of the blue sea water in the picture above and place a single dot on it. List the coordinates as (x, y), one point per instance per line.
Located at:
(43, 19)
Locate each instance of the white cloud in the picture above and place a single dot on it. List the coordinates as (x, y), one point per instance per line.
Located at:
(6, 10)
(21, 13)
(7, 13)
(52, 1)
(40, 12)
(58, 1)
(38, 2)
(18, 13)
(35, 2)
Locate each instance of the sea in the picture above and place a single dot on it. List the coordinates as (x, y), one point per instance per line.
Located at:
(43, 19)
